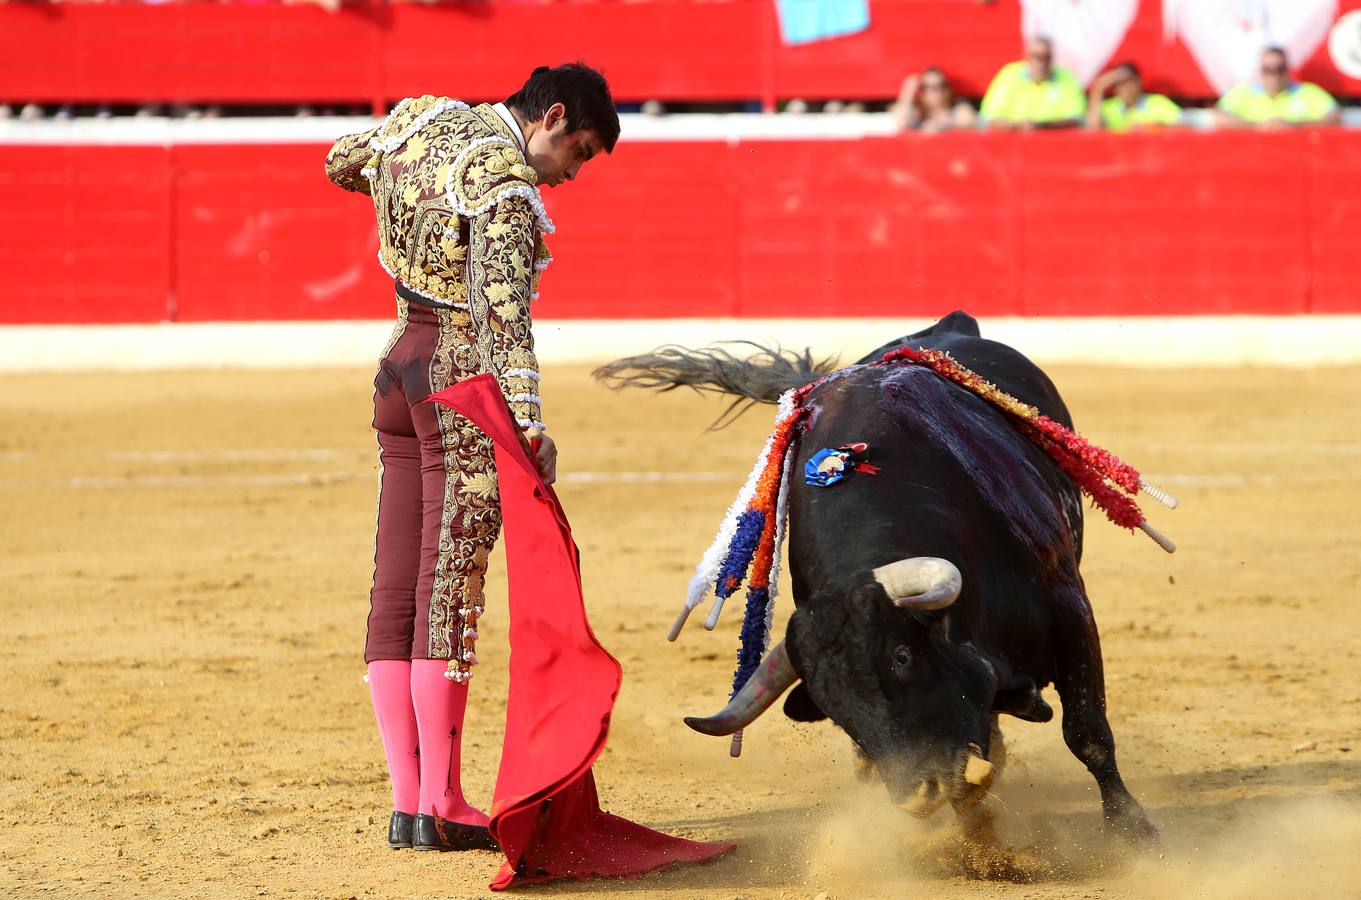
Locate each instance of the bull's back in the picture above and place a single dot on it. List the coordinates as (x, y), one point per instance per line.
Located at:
(939, 416)
(958, 335)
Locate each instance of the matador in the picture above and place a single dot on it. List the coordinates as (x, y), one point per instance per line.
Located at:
(461, 230)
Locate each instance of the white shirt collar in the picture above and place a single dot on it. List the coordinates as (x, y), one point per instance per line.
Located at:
(509, 118)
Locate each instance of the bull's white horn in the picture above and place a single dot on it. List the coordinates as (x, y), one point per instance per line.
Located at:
(920, 583)
(771, 679)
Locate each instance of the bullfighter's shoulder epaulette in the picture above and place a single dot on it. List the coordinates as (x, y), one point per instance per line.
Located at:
(409, 117)
(489, 170)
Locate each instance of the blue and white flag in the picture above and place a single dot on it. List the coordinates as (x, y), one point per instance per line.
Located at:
(805, 21)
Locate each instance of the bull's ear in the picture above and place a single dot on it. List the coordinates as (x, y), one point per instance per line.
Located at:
(800, 707)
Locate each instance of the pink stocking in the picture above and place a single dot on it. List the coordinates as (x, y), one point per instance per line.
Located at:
(439, 715)
(390, 687)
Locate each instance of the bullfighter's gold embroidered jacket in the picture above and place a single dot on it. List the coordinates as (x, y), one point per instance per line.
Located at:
(460, 222)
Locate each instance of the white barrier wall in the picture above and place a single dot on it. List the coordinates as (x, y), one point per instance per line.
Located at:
(1161, 341)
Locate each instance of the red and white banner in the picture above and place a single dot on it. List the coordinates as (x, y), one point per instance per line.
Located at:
(1226, 37)
(377, 53)
(1085, 33)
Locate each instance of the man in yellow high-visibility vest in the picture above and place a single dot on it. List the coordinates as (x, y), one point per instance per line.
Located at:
(1275, 101)
(1033, 93)
(1130, 108)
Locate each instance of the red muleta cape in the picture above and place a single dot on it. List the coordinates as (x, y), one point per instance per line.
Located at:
(563, 685)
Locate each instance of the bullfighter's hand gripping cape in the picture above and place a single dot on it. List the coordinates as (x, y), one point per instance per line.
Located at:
(563, 684)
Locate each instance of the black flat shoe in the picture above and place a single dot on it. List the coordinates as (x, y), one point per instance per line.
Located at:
(399, 830)
(434, 833)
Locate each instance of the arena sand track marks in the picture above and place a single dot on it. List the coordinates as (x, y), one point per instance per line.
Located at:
(183, 712)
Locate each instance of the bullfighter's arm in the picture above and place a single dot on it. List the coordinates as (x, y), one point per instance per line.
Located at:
(352, 154)
(500, 287)
(347, 159)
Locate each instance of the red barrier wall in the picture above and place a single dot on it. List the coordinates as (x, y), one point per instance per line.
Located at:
(86, 234)
(263, 235)
(377, 53)
(1042, 224)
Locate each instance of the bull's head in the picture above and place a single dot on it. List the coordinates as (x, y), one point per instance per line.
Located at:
(881, 663)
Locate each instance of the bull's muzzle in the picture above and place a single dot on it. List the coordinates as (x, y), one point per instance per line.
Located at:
(969, 786)
(929, 797)
(772, 678)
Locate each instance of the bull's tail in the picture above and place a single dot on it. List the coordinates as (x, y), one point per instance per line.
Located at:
(760, 377)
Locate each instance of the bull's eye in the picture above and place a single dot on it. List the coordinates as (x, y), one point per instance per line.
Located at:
(902, 656)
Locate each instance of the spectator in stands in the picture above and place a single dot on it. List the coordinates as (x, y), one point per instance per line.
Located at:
(1275, 101)
(1129, 108)
(1033, 93)
(328, 5)
(928, 103)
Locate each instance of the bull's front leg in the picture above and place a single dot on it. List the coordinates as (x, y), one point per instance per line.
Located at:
(1080, 680)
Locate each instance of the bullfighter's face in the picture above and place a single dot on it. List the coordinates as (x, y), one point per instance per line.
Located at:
(556, 153)
(914, 701)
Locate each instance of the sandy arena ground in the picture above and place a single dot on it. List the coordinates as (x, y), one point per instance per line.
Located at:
(183, 582)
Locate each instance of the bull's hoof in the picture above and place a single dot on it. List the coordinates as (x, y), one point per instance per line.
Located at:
(1133, 828)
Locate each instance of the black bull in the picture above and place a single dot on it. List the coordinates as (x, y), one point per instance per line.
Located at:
(918, 689)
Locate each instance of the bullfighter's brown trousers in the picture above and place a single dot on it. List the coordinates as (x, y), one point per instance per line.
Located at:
(438, 510)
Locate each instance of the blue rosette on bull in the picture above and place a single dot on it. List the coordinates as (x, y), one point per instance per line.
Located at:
(832, 465)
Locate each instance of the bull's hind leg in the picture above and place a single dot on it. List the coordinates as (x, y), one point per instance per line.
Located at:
(1081, 684)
